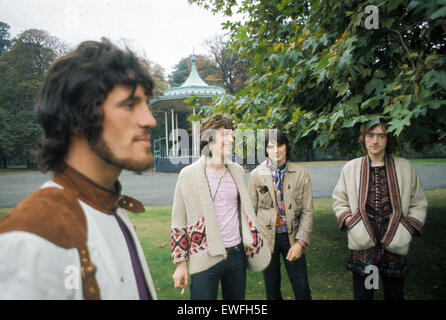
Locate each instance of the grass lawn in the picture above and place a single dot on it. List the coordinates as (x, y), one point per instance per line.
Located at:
(326, 257)
(13, 170)
(429, 162)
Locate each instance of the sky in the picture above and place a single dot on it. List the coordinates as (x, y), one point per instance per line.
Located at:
(163, 31)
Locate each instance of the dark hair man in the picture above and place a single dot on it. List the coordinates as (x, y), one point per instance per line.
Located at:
(381, 204)
(281, 195)
(72, 239)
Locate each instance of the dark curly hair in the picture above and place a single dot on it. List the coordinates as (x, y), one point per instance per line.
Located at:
(277, 136)
(76, 86)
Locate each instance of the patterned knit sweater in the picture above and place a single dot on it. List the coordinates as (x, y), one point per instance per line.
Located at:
(194, 230)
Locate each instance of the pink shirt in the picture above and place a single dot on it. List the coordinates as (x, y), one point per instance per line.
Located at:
(226, 208)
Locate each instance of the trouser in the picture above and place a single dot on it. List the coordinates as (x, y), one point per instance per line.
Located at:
(393, 288)
(296, 270)
(232, 274)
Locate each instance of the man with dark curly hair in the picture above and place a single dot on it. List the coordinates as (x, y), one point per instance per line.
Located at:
(72, 239)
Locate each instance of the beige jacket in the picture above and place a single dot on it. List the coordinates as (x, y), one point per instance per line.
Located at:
(409, 204)
(297, 197)
(195, 233)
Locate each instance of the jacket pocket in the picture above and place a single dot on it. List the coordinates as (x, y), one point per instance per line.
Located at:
(353, 220)
(407, 224)
(265, 219)
(401, 240)
(358, 237)
(265, 200)
(196, 233)
(297, 196)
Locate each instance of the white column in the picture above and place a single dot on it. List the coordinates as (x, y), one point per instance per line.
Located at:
(176, 133)
(173, 136)
(167, 133)
(193, 134)
(195, 137)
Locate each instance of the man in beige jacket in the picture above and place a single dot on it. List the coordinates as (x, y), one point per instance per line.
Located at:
(379, 200)
(282, 198)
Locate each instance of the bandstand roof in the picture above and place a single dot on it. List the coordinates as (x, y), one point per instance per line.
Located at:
(193, 86)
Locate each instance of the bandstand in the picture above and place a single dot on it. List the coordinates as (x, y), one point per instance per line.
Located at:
(169, 156)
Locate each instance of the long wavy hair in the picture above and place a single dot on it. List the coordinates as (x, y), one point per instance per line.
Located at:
(71, 99)
(391, 141)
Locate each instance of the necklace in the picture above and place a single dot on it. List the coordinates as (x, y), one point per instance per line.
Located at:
(218, 185)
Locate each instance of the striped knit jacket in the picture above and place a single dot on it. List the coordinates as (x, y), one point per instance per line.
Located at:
(409, 205)
(195, 234)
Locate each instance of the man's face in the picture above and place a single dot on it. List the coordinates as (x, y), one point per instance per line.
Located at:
(277, 153)
(125, 139)
(221, 146)
(376, 141)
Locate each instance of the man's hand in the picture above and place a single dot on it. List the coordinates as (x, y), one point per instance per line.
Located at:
(295, 252)
(180, 276)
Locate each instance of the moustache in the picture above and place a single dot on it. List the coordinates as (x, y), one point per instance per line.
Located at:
(145, 135)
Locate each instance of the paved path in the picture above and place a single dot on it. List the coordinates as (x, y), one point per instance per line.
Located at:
(156, 189)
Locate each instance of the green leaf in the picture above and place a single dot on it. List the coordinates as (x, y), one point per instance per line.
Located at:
(392, 5)
(374, 120)
(397, 125)
(342, 88)
(350, 123)
(374, 86)
(439, 13)
(434, 77)
(283, 4)
(190, 100)
(435, 104)
(334, 118)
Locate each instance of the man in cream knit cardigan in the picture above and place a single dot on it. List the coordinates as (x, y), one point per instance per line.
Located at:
(213, 221)
(381, 204)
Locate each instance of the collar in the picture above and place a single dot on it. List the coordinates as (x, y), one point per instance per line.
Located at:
(96, 196)
(273, 167)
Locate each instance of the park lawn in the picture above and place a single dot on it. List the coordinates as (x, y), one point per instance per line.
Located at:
(326, 256)
(429, 162)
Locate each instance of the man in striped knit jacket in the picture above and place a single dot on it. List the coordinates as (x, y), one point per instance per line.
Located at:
(381, 204)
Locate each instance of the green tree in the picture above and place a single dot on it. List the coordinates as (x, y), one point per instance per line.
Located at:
(6, 147)
(231, 69)
(318, 71)
(5, 37)
(22, 71)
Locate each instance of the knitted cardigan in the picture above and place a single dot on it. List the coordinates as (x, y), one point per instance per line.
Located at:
(195, 234)
(409, 204)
